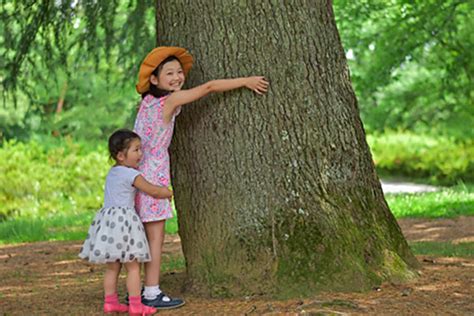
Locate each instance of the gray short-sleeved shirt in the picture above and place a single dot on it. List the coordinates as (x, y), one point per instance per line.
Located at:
(119, 189)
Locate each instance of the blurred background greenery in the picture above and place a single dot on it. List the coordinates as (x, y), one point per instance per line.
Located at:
(68, 70)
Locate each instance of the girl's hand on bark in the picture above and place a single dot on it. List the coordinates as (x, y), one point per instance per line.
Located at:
(257, 84)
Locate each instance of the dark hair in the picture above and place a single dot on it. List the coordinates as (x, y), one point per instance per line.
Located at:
(154, 90)
(120, 140)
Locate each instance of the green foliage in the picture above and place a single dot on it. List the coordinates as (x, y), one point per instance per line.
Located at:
(417, 101)
(39, 36)
(91, 110)
(38, 180)
(69, 68)
(448, 202)
(51, 188)
(411, 63)
(440, 159)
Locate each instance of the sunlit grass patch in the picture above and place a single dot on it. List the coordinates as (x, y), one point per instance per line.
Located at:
(443, 249)
(448, 202)
(61, 226)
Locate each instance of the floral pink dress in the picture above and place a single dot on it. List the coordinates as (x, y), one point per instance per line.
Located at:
(155, 164)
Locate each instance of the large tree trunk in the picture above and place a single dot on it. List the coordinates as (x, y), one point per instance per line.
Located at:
(276, 194)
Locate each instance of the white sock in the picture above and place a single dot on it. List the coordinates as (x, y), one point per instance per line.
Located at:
(151, 292)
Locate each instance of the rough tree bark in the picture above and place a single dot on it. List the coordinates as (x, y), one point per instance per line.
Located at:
(276, 194)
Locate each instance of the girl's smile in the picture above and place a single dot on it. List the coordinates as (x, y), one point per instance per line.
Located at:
(171, 77)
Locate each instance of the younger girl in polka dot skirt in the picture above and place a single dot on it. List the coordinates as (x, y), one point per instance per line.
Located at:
(116, 235)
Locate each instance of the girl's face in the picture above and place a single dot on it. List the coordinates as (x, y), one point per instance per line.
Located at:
(170, 78)
(131, 156)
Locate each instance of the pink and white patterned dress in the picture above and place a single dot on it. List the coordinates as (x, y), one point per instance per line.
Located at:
(155, 164)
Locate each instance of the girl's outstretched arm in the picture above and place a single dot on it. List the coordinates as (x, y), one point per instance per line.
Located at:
(155, 191)
(257, 84)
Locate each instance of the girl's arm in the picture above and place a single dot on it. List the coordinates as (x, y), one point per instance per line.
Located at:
(155, 191)
(182, 97)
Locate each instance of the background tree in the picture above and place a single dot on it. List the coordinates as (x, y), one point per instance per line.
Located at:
(276, 194)
(412, 63)
(93, 48)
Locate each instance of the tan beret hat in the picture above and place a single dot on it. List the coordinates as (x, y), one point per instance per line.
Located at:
(154, 59)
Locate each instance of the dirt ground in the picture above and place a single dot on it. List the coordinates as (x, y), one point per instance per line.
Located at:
(47, 278)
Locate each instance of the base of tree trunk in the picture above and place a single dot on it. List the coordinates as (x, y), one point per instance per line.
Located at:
(298, 261)
(288, 283)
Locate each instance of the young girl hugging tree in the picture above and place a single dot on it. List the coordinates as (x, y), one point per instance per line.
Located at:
(116, 236)
(160, 81)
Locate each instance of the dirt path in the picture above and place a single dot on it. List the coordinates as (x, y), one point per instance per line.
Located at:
(456, 230)
(46, 278)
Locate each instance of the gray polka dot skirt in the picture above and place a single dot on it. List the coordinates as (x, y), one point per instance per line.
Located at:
(116, 234)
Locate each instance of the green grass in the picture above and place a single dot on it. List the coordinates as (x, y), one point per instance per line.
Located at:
(59, 226)
(443, 249)
(173, 263)
(446, 203)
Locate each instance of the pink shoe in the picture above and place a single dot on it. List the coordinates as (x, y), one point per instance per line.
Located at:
(115, 308)
(141, 310)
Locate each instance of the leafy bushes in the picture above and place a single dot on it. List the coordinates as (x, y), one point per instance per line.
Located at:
(40, 179)
(440, 159)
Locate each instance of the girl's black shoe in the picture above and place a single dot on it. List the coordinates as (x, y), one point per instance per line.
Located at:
(163, 302)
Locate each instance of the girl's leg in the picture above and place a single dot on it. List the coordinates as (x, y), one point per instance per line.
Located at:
(133, 278)
(111, 301)
(133, 287)
(155, 232)
(153, 296)
(111, 276)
